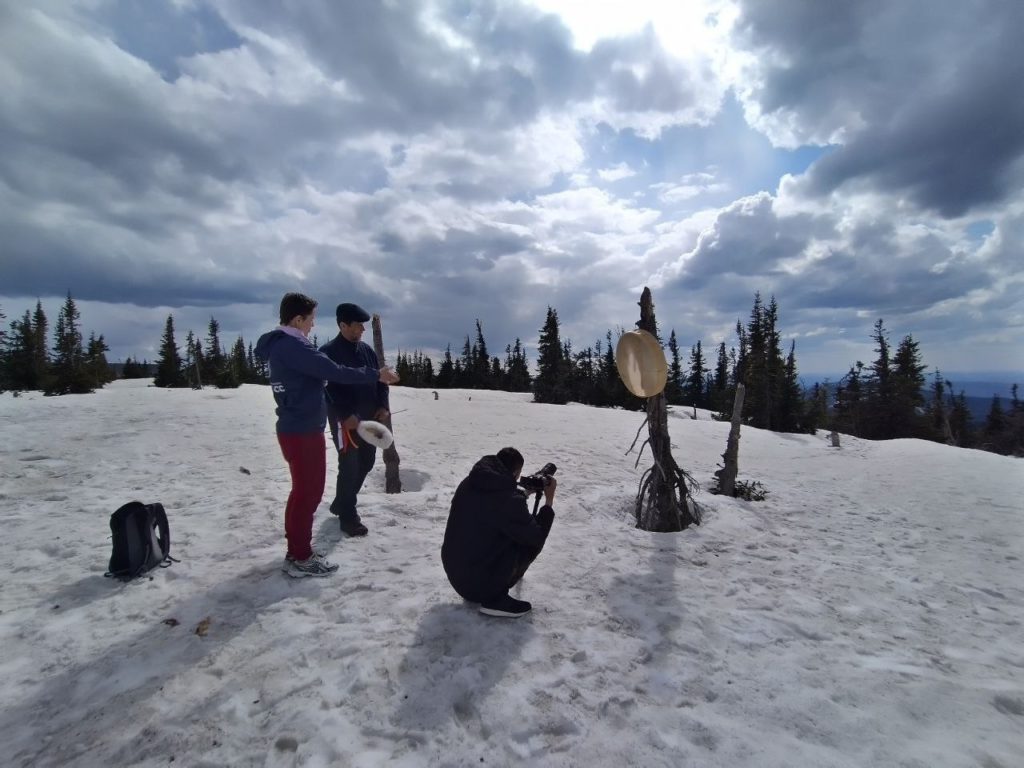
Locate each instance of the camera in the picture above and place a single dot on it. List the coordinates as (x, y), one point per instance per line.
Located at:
(538, 481)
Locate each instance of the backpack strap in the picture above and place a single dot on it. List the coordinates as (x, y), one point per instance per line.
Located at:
(163, 538)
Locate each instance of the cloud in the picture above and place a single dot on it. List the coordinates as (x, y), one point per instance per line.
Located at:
(919, 97)
(442, 162)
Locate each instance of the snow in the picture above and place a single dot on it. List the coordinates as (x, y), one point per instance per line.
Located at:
(868, 612)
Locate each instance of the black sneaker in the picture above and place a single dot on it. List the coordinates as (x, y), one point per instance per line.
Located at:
(352, 527)
(505, 606)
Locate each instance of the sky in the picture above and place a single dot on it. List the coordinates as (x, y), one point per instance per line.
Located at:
(441, 163)
(866, 613)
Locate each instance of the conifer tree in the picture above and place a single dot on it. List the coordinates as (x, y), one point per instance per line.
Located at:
(549, 385)
(98, 369)
(168, 365)
(446, 371)
(907, 390)
(214, 360)
(130, 369)
(610, 389)
(937, 411)
(518, 370)
(3, 353)
(693, 386)
(68, 371)
(482, 370)
(850, 401)
(995, 425)
(878, 389)
(40, 355)
(234, 372)
(960, 419)
(721, 397)
(755, 369)
(674, 385)
(19, 355)
(791, 401)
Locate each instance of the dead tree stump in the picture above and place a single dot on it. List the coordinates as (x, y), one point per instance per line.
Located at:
(664, 501)
(392, 482)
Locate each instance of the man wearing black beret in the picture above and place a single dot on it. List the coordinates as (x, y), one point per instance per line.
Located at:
(347, 405)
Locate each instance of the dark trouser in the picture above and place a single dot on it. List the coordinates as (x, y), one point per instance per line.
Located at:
(524, 559)
(486, 587)
(354, 464)
(307, 462)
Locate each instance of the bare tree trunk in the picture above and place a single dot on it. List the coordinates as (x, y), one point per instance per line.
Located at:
(663, 502)
(727, 474)
(392, 482)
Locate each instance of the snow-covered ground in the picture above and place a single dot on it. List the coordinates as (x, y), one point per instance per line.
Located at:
(868, 613)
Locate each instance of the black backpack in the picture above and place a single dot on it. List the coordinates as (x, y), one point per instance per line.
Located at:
(142, 540)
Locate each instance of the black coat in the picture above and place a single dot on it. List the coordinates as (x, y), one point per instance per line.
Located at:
(489, 531)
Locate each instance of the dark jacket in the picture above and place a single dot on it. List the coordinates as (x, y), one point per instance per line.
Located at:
(489, 529)
(297, 374)
(363, 400)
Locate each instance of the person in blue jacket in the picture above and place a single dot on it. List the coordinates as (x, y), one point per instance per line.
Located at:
(297, 374)
(347, 405)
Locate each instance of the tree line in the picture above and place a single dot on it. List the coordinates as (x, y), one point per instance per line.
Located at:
(206, 362)
(888, 398)
(72, 365)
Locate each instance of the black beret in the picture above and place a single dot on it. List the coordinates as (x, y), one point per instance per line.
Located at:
(352, 313)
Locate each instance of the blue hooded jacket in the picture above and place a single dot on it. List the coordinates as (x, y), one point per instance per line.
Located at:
(297, 375)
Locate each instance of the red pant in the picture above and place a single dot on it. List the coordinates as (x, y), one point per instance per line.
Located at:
(306, 457)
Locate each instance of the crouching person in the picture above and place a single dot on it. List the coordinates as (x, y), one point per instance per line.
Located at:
(491, 537)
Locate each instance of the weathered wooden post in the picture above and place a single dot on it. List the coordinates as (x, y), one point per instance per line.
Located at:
(663, 502)
(727, 474)
(392, 482)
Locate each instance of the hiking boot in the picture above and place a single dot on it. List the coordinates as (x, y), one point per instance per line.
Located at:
(352, 527)
(314, 565)
(505, 606)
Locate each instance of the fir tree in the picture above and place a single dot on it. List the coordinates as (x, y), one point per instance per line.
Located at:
(168, 365)
(549, 386)
(995, 425)
(3, 354)
(215, 360)
(674, 385)
(517, 369)
(960, 419)
(40, 357)
(878, 389)
(234, 371)
(467, 368)
(68, 371)
(97, 367)
(483, 374)
(791, 401)
(131, 369)
(721, 397)
(850, 402)
(907, 391)
(19, 355)
(446, 372)
(192, 367)
(693, 386)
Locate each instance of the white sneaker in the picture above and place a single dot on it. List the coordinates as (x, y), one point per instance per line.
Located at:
(315, 565)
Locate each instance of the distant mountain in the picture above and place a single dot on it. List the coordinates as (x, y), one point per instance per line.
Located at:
(974, 385)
